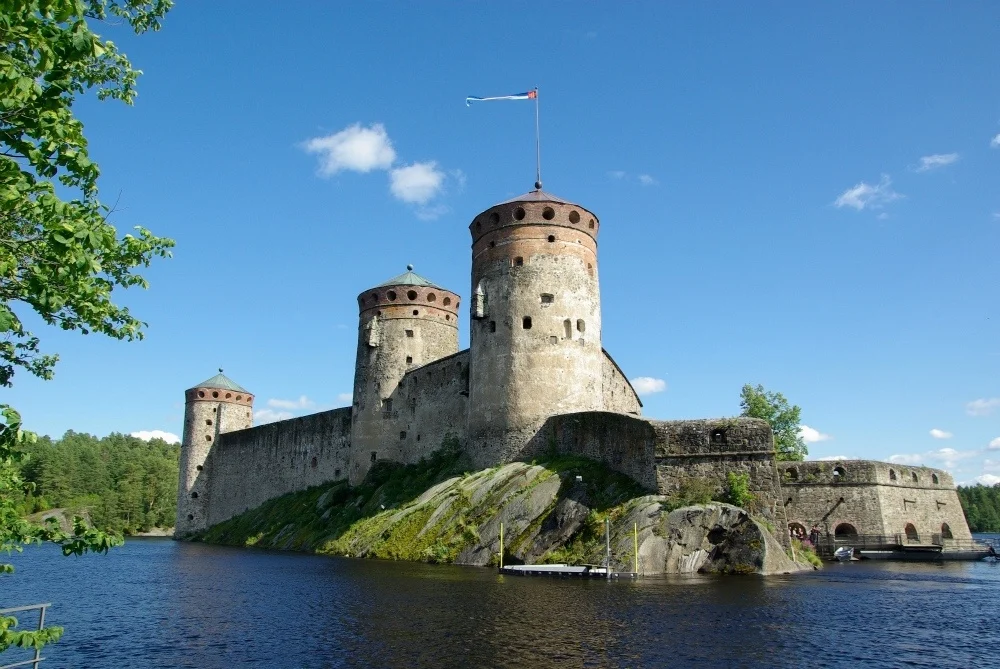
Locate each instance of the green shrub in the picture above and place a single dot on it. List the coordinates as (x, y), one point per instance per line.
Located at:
(738, 490)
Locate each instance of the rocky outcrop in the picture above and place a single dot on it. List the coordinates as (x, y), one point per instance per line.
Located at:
(549, 513)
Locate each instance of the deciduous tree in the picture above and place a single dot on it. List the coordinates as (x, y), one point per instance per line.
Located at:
(783, 417)
(60, 256)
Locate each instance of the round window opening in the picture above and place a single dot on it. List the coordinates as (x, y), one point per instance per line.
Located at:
(215, 394)
(391, 295)
(201, 393)
(548, 213)
(375, 296)
(416, 312)
(446, 301)
(494, 218)
(190, 516)
(591, 224)
(228, 395)
(431, 297)
(519, 213)
(412, 295)
(552, 238)
(574, 217)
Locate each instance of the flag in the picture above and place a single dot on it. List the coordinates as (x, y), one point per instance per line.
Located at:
(530, 95)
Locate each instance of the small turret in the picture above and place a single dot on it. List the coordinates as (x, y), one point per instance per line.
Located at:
(212, 407)
(403, 323)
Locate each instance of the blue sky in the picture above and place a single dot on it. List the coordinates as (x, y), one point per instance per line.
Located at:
(800, 196)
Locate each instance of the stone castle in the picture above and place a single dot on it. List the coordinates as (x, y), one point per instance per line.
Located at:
(534, 380)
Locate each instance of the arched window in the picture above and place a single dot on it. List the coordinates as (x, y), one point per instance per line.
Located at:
(845, 531)
(567, 329)
(946, 531)
(797, 531)
(718, 437)
(913, 475)
(935, 479)
(838, 474)
(911, 534)
(892, 474)
(792, 474)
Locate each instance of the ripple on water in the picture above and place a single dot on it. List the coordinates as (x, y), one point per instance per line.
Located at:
(159, 603)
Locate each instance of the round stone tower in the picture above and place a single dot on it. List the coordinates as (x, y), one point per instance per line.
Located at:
(536, 322)
(404, 323)
(211, 408)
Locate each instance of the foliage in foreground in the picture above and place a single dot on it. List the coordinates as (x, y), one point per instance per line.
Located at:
(981, 504)
(784, 418)
(59, 257)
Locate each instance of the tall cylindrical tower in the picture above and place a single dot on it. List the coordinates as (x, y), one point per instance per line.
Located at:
(536, 322)
(211, 408)
(404, 323)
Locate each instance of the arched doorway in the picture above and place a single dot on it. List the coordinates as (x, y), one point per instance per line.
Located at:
(911, 534)
(845, 531)
(946, 531)
(797, 531)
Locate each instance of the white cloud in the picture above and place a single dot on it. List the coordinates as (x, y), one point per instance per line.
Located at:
(270, 416)
(867, 196)
(459, 177)
(431, 212)
(940, 434)
(982, 406)
(418, 183)
(994, 445)
(928, 163)
(146, 435)
(354, 148)
(811, 435)
(991, 465)
(345, 397)
(647, 180)
(831, 458)
(988, 479)
(995, 142)
(883, 216)
(946, 457)
(302, 403)
(616, 174)
(647, 385)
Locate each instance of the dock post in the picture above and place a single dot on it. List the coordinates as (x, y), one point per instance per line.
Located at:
(635, 543)
(607, 540)
(501, 546)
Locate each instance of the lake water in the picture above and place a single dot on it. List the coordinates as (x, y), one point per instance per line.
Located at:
(160, 603)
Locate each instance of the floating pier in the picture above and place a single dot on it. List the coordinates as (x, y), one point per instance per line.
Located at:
(565, 570)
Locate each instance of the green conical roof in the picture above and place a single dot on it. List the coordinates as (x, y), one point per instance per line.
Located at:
(222, 381)
(409, 278)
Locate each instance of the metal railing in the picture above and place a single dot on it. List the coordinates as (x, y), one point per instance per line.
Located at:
(827, 545)
(41, 623)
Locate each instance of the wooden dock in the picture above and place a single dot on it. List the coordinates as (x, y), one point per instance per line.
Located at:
(565, 570)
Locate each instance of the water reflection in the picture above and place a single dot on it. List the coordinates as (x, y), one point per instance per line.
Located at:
(158, 603)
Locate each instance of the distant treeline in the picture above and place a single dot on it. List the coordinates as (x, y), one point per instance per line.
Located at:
(982, 507)
(123, 484)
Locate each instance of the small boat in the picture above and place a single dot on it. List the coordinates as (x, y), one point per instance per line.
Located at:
(844, 553)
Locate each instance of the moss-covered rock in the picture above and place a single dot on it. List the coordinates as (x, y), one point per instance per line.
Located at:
(553, 511)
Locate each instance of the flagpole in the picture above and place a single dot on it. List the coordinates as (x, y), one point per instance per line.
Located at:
(538, 147)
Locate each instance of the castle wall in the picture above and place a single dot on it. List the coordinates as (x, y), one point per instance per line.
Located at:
(621, 442)
(618, 393)
(248, 467)
(875, 498)
(430, 406)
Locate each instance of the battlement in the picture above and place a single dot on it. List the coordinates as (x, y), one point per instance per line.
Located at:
(536, 208)
(207, 394)
(863, 472)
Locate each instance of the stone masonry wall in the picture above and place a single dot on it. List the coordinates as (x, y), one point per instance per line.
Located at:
(875, 498)
(429, 406)
(621, 442)
(248, 467)
(619, 395)
(711, 448)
